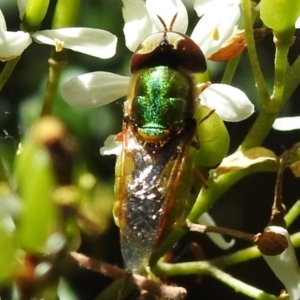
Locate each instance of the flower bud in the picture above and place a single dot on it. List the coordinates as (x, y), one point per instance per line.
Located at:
(212, 137)
(280, 15)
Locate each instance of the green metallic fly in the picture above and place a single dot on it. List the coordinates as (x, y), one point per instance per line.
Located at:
(153, 172)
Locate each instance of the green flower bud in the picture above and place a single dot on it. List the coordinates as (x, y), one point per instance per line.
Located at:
(34, 14)
(66, 13)
(280, 15)
(212, 136)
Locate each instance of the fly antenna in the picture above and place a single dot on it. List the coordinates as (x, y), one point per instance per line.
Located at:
(172, 22)
(163, 23)
(166, 29)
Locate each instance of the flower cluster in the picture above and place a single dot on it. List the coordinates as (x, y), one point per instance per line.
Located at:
(213, 29)
(95, 42)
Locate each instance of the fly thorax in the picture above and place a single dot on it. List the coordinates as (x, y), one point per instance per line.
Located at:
(161, 103)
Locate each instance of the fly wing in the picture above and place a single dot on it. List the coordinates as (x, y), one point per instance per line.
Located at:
(147, 181)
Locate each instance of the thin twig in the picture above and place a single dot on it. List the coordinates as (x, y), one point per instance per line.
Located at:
(221, 230)
(165, 291)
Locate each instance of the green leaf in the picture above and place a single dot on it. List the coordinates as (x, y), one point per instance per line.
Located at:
(7, 253)
(36, 183)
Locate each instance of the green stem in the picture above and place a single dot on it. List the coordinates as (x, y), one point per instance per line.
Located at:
(230, 69)
(238, 285)
(292, 79)
(293, 213)
(200, 267)
(271, 108)
(7, 71)
(212, 268)
(282, 50)
(56, 64)
(261, 127)
(209, 269)
(260, 82)
(3, 173)
(218, 185)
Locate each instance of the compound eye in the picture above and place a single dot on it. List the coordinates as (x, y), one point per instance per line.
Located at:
(170, 49)
(187, 52)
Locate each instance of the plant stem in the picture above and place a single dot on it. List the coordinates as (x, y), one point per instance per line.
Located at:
(260, 128)
(56, 64)
(280, 70)
(293, 213)
(230, 69)
(218, 185)
(3, 174)
(209, 269)
(248, 22)
(7, 71)
(292, 79)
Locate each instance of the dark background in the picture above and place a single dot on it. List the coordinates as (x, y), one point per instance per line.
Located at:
(246, 206)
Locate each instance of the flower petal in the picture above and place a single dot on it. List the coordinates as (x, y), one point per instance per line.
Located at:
(22, 4)
(95, 89)
(230, 103)
(138, 25)
(111, 146)
(285, 265)
(216, 238)
(286, 124)
(167, 10)
(204, 6)
(297, 24)
(3, 27)
(12, 44)
(95, 42)
(215, 28)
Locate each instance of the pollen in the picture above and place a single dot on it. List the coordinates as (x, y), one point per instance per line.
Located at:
(59, 45)
(215, 34)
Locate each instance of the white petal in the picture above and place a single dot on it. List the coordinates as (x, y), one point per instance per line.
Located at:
(12, 44)
(111, 146)
(22, 4)
(95, 89)
(215, 28)
(285, 265)
(297, 24)
(286, 124)
(204, 6)
(218, 239)
(3, 27)
(95, 42)
(138, 25)
(230, 103)
(167, 10)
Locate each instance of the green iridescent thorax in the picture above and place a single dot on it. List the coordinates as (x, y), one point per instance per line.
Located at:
(162, 100)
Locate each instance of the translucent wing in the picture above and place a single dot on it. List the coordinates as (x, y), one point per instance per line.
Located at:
(152, 185)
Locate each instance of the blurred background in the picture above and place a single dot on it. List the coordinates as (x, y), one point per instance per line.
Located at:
(245, 207)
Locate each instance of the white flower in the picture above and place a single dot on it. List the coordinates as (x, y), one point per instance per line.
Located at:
(217, 238)
(141, 20)
(285, 265)
(95, 42)
(111, 146)
(287, 123)
(213, 29)
(12, 44)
